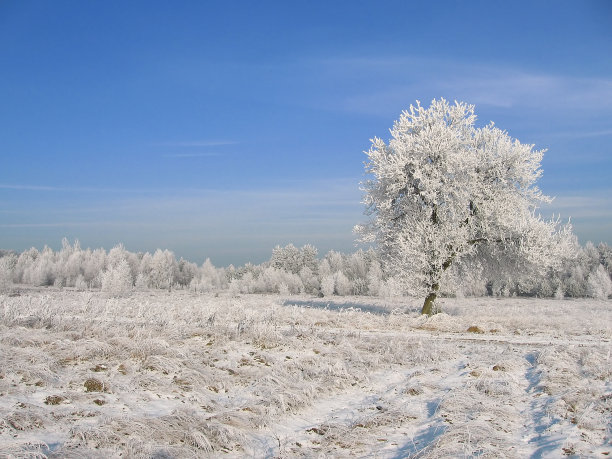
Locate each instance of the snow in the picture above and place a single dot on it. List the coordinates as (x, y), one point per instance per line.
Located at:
(192, 375)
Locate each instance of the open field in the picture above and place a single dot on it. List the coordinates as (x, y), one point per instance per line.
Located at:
(182, 375)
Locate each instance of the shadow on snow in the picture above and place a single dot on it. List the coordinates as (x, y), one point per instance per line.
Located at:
(540, 408)
(423, 442)
(350, 306)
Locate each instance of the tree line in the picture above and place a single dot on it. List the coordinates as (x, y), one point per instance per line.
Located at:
(290, 271)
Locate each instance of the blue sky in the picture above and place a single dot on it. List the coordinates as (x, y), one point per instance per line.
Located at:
(220, 129)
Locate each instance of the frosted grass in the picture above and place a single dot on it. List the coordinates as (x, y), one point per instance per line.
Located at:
(189, 375)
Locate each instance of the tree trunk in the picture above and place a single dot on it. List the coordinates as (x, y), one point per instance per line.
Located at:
(433, 291)
(429, 301)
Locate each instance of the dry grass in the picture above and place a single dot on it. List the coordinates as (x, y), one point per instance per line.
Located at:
(185, 375)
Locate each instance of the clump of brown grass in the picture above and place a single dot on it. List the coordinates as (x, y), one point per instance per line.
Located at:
(54, 400)
(94, 385)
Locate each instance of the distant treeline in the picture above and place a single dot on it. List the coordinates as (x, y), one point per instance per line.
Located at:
(290, 270)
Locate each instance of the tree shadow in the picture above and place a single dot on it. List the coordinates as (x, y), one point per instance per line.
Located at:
(346, 306)
(420, 444)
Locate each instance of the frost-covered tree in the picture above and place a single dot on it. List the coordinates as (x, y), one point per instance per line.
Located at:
(336, 261)
(342, 284)
(328, 284)
(375, 278)
(24, 261)
(116, 255)
(324, 269)
(117, 280)
(94, 265)
(287, 258)
(292, 259)
(80, 284)
(443, 190)
(599, 284)
(163, 269)
(42, 269)
(309, 281)
(605, 256)
(7, 266)
(187, 271)
(209, 278)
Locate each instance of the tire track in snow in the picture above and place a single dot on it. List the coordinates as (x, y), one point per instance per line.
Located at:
(344, 412)
(447, 407)
(395, 414)
(538, 420)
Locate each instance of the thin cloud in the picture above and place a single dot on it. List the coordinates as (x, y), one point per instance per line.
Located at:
(17, 187)
(328, 198)
(582, 135)
(199, 143)
(535, 90)
(50, 224)
(393, 81)
(209, 222)
(31, 187)
(500, 90)
(191, 155)
(581, 207)
(585, 157)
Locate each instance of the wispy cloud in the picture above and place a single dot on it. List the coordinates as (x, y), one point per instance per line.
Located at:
(309, 200)
(538, 91)
(581, 158)
(199, 223)
(191, 155)
(583, 135)
(52, 224)
(589, 215)
(199, 143)
(190, 145)
(500, 90)
(5, 186)
(400, 80)
(28, 187)
(583, 207)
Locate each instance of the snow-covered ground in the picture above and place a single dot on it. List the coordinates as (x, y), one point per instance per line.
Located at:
(183, 375)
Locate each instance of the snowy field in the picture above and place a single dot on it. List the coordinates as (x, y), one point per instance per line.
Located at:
(162, 375)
